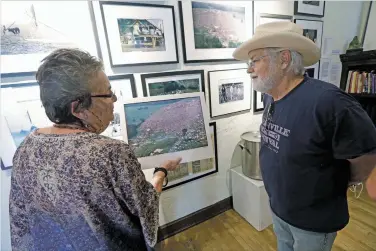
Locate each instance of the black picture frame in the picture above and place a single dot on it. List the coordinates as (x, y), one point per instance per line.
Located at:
(255, 100)
(102, 3)
(126, 76)
(184, 45)
(214, 125)
(296, 12)
(144, 77)
(210, 96)
(3, 167)
(318, 22)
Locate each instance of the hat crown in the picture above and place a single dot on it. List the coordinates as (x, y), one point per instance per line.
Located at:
(278, 27)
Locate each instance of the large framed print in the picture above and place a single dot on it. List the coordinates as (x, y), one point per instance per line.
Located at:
(258, 101)
(212, 30)
(166, 127)
(229, 91)
(22, 112)
(312, 29)
(175, 82)
(124, 88)
(32, 29)
(313, 71)
(139, 34)
(264, 18)
(309, 8)
(191, 171)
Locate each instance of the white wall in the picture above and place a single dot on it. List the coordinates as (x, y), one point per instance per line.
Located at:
(188, 198)
(370, 37)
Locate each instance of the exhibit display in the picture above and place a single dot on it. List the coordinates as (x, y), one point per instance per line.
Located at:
(212, 30)
(309, 8)
(175, 82)
(167, 127)
(139, 34)
(229, 91)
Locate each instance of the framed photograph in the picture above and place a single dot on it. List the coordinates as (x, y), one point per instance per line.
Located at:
(125, 88)
(139, 34)
(33, 29)
(309, 8)
(22, 113)
(167, 127)
(311, 29)
(3, 167)
(191, 171)
(313, 71)
(175, 82)
(264, 18)
(229, 91)
(212, 30)
(258, 101)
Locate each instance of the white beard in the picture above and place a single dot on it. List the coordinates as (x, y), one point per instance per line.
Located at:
(266, 84)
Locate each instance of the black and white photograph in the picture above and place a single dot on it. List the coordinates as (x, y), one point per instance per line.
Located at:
(258, 101)
(229, 91)
(138, 33)
(312, 29)
(313, 71)
(30, 30)
(211, 31)
(174, 82)
(309, 8)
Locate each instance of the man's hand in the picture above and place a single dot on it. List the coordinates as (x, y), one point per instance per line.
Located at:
(171, 165)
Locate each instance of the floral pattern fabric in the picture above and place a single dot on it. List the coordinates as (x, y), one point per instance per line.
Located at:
(80, 191)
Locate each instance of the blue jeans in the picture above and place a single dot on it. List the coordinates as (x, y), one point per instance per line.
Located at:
(290, 238)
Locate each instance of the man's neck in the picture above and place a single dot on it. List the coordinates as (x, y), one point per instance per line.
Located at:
(285, 85)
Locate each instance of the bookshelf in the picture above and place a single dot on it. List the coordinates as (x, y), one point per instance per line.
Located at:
(363, 63)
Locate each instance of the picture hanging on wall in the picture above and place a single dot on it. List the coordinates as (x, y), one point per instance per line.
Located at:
(175, 82)
(139, 34)
(268, 18)
(191, 171)
(22, 113)
(211, 31)
(123, 86)
(311, 29)
(313, 71)
(33, 29)
(3, 167)
(167, 127)
(258, 101)
(309, 8)
(229, 91)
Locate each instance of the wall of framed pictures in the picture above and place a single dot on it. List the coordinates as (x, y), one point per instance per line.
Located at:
(169, 73)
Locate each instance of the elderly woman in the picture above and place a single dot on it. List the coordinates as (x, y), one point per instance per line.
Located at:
(73, 189)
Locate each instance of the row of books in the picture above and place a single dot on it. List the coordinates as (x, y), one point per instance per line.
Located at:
(361, 82)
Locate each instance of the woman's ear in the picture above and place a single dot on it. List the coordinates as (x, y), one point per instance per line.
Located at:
(77, 111)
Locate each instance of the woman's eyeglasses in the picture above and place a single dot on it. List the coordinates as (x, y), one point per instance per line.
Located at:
(110, 95)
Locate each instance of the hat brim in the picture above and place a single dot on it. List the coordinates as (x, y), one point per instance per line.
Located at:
(306, 47)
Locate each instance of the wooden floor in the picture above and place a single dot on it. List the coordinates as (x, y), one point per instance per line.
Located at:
(229, 231)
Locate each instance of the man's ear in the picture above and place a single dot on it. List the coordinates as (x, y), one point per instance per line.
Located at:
(285, 59)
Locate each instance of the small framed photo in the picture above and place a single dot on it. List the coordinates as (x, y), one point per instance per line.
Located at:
(264, 18)
(139, 34)
(191, 171)
(313, 71)
(175, 82)
(166, 127)
(309, 8)
(258, 101)
(229, 91)
(312, 29)
(124, 88)
(211, 31)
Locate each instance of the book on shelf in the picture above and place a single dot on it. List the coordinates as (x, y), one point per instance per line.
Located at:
(361, 82)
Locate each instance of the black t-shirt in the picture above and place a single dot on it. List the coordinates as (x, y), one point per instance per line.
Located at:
(307, 137)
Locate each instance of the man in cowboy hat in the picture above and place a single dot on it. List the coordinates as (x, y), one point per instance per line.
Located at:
(316, 139)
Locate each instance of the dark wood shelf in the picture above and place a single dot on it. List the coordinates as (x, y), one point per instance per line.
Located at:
(363, 95)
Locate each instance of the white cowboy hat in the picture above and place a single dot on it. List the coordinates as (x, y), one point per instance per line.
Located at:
(283, 35)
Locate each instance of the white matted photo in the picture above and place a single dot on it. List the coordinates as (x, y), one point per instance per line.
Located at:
(31, 30)
(311, 29)
(313, 71)
(264, 18)
(229, 91)
(258, 101)
(166, 127)
(309, 8)
(22, 112)
(139, 34)
(174, 82)
(212, 30)
(124, 87)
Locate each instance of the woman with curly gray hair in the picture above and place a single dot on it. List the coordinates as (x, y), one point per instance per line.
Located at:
(71, 188)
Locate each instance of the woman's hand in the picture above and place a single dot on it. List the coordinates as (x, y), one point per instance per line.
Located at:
(171, 165)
